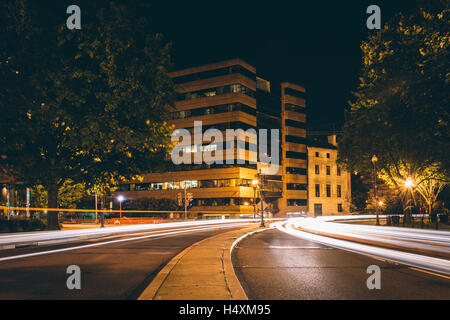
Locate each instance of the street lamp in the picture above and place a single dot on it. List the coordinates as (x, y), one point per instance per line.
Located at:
(409, 184)
(94, 193)
(374, 161)
(255, 186)
(120, 198)
(260, 185)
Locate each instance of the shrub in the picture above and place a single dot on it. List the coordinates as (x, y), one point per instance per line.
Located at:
(37, 224)
(393, 205)
(25, 224)
(396, 220)
(13, 225)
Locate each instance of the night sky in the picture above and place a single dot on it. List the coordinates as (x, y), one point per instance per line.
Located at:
(313, 43)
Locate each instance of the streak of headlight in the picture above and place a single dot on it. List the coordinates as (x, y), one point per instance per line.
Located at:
(415, 260)
(67, 234)
(165, 234)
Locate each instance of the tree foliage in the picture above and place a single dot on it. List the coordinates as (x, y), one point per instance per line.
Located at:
(400, 111)
(69, 194)
(87, 105)
(360, 193)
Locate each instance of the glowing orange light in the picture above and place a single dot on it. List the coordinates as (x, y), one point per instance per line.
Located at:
(409, 183)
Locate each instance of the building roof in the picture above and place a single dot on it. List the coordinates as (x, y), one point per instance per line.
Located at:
(319, 142)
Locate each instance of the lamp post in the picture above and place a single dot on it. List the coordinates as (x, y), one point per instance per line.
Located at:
(255, 186)
(120, 198)
(261, 182)
(409, 184)
(374, 161)
(96, 207)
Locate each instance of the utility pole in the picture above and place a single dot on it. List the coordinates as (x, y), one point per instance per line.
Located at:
(102, 214)
(7, 202)
(254, 202)
(185, 203)
(374, 161)
(28, 203)
(261, 185)
(96, 207)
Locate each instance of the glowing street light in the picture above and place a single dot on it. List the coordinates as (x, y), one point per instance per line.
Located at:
(409, 183)
(374, 161)
(120, 198)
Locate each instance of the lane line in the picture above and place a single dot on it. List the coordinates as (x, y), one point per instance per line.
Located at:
(429, 272)
(304, 247)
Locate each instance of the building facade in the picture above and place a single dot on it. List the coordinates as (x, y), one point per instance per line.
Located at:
(329, 186)
(231, 95)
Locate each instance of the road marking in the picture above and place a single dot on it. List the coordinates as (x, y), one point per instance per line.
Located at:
(429, 272)
(304, 247)
(110, 242)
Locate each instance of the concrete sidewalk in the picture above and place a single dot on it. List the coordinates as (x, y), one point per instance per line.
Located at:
(201, 272)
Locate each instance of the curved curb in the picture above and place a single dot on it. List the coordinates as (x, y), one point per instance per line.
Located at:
(245, 236)
(150, 292)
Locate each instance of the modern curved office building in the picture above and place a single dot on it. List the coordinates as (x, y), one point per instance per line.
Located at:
(215, 99)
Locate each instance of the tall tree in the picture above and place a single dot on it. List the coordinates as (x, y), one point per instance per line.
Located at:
(360, 193)
(81, 104)
(400, 110)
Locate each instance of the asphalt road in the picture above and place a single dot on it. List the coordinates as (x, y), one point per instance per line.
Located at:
(116, 270)
(276, 265)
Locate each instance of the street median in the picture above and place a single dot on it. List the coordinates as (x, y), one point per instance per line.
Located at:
(202, 271)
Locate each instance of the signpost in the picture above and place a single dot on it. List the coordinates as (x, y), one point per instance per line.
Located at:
(188, 197)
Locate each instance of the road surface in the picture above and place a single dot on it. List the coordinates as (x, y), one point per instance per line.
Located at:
(117, 266)
(276, 265)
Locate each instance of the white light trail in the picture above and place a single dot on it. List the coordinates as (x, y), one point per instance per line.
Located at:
(85, 234)
(160, 234)
(426, 241)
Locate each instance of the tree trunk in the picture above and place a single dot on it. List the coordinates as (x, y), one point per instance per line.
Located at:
(52, 216)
